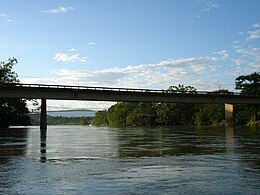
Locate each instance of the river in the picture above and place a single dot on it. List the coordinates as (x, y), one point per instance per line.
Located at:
(157, 160)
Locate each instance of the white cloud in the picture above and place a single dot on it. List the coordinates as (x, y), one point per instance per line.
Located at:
(238, 61)
(91, 43)
(223, 53)
(249, 51)
(59, 10)
(5, 17)
(206, 6)
(72, 49)
(256, 25)
(9, 20)
(246, 58)
(63, 57)
(2, 15)
(254, 34)
(241, 33)
(159, 75)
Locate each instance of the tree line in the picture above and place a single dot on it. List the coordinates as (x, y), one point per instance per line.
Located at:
(152, 114)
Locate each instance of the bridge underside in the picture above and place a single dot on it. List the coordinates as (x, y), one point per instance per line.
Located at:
(121, 96)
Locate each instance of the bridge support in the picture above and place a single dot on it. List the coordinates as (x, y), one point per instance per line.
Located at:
(43, 122)
(229, 114)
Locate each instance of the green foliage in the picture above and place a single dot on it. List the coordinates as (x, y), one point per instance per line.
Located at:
(210, 114)
(7, 75)
(249, 84)
(144, 114)
(148, 114)
(182, 89)
(12, 111)
(117, 113)
(100, 119)
(221, 91)
(166, 113)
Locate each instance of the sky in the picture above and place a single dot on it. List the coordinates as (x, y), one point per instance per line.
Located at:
(151, 44)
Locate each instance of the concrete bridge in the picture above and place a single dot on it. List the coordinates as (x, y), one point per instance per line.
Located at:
(63, 92)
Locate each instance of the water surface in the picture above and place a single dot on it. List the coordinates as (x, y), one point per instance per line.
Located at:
(92, 160)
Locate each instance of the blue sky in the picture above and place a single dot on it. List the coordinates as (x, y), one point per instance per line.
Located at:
(131, 43)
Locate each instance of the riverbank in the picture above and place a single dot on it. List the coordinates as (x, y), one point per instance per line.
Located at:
(174, 114)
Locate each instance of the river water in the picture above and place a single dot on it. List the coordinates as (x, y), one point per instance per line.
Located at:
(159, 160)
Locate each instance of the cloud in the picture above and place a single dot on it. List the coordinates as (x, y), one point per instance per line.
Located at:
(248, 60)
(9, 20)
(249, 51)
(256, 25)
(92, 43)
(5, 17)
(254, 34)
(72, 49)
(245, 57)
(59, 10)
(206, 6)
(223, 53)
(157, 75)
(2, 15)
(63, 57)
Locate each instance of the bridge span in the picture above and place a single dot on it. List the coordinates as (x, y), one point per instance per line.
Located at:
(64, 92)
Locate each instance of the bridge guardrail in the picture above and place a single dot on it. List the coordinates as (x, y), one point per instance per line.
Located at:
(115, 89)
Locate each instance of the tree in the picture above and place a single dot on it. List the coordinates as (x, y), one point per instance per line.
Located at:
(166, 114)
(12, 111)
(7, 75)
(249, 85)
(144, 114)
(100, 118)
(117, 113)
(210, 114)
(183, 112)
(182, 89)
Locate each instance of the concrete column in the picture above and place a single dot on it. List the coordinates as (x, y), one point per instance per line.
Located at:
(229, 114)
(43, 122)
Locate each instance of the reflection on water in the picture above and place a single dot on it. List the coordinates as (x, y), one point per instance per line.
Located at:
(43, 145)
(230, 139)
(82, 159)
(13, 142)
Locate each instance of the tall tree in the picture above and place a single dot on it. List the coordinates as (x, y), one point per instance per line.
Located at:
(12, 111)
(249, 85)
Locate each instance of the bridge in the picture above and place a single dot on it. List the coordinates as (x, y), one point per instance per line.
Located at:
(65, 92)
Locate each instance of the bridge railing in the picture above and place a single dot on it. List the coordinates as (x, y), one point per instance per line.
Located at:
(114, 89)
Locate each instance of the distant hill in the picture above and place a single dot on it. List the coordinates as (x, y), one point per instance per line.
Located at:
(72, 113)
(60, 120)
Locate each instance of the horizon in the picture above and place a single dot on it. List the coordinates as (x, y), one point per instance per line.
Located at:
(131, 43)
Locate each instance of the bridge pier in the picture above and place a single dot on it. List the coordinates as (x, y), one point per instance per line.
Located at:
(43, 122)
(229, 114)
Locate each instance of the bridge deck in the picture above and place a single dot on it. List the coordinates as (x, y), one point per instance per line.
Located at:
(63, 92)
